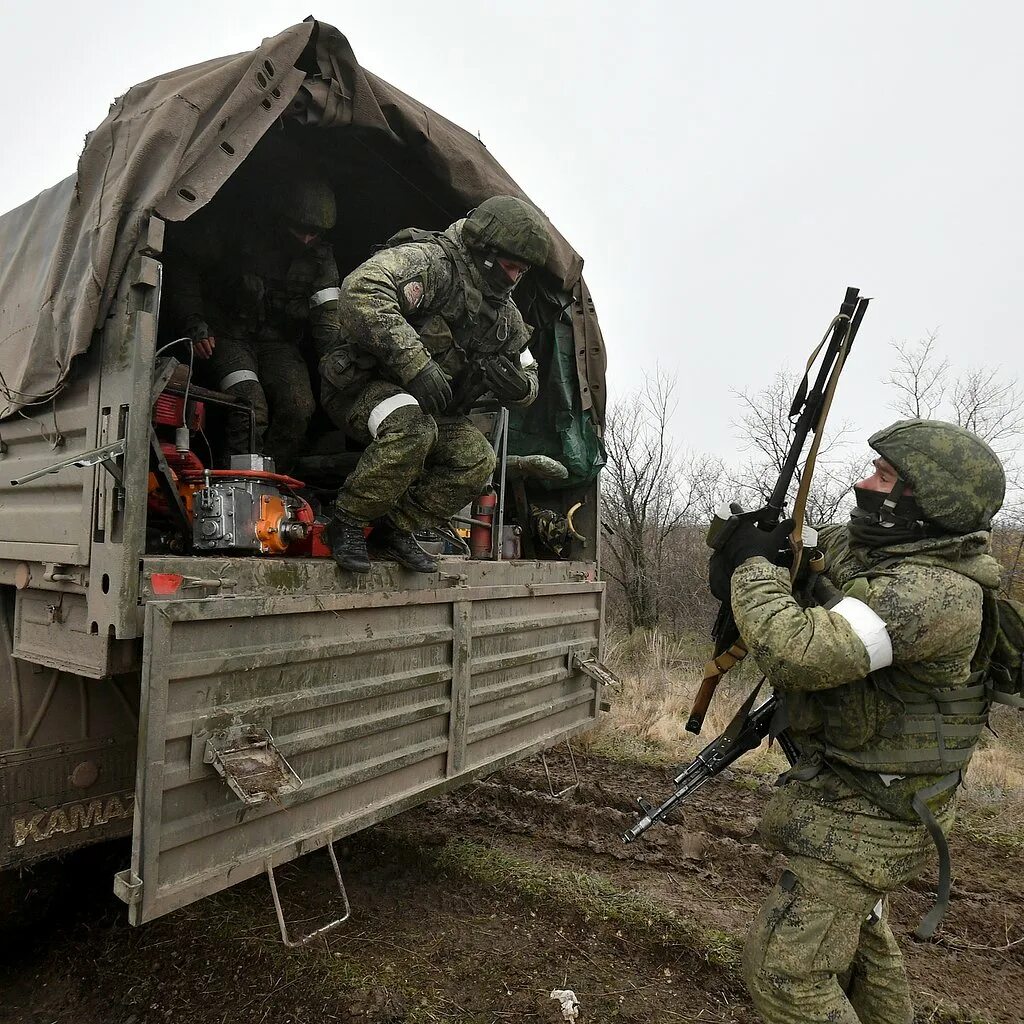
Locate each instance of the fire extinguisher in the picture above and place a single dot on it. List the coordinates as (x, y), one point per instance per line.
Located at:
(483, 525)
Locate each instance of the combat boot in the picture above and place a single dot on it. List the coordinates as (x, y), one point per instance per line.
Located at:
(348, 545)
(403, 548)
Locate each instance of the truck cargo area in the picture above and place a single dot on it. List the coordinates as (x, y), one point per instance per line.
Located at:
(180, 656)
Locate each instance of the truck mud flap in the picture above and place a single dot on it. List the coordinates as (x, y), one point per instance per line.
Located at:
(272, 726)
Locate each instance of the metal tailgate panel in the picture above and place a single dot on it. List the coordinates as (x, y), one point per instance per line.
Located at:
(377, 700)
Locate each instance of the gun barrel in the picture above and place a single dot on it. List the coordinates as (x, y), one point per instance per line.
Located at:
(634, 833)
(699, 776)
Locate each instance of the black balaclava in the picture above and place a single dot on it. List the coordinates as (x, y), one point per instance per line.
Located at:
(881, 520)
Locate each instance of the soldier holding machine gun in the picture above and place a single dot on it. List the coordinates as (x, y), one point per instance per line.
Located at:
(877, 664)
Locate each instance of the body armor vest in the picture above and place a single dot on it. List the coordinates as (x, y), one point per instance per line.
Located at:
(896, 727)
(893, 724)
(478, 323)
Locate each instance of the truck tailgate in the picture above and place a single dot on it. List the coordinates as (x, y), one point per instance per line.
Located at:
(376, 699)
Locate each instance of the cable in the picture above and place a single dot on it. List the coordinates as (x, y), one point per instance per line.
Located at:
(188, 380)
(209, 447)
(177, 341)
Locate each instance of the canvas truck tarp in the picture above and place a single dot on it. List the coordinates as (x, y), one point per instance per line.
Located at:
(169, 144)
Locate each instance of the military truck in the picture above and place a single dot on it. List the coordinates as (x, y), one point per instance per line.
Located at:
(235, 704)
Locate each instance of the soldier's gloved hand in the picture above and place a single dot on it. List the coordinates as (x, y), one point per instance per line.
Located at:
(198, 332)
(748, 541)
(431, 388)
(506, 380)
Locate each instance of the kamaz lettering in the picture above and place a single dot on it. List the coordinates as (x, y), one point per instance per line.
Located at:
(72, 818)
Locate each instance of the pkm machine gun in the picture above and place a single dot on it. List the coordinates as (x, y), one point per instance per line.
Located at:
(751, 724)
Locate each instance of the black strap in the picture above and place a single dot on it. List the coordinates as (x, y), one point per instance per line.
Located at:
(931, 920)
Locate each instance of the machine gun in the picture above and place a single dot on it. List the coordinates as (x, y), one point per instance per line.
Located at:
(807, 413)
(745, 732)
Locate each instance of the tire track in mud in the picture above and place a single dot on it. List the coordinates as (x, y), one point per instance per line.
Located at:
(433, 939)
(707, 864)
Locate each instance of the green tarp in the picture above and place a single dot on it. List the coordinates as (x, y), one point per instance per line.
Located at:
(574, 441)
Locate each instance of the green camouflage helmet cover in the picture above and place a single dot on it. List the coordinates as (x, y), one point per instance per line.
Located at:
(510, 227)
(307, 201)
(958, 480)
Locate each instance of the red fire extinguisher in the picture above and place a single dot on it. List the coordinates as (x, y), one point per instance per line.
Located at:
(480, 532)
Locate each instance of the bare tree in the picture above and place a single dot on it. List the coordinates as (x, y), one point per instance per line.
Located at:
(988, 401)
(649, 490)
(985, 400)
(919, 378)
(767, 432)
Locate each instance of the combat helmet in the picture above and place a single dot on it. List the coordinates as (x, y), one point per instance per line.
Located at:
(507, 226)
(958, 481)
(307, 201)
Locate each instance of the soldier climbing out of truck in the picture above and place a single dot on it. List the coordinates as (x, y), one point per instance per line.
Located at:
(428, 328)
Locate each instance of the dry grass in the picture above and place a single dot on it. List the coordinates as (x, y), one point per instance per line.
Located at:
(660, 675)
(992, 808)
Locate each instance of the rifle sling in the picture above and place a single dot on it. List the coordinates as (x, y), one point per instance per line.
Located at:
(721, 664)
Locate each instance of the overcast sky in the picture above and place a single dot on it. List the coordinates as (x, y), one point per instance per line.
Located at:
(725, 169)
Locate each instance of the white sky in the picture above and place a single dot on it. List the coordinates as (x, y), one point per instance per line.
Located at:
(725, 169)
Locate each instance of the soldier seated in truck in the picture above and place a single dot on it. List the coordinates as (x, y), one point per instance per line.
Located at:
(248, 284)
(428, 327)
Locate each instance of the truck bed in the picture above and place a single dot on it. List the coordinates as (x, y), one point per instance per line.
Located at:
(377, 692)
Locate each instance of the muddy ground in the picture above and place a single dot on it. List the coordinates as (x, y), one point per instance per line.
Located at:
(474, 907)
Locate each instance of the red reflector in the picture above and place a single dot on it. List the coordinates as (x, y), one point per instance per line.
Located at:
(166, 582)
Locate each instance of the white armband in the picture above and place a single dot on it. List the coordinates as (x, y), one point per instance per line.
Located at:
(870, 629)
(382, 410)
(324, 295)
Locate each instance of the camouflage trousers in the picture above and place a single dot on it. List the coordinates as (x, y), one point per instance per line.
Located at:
(807, 960)
(821, 949)
(417, 471)
(274, 379)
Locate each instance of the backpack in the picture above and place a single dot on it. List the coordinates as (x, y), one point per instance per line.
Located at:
(1001, 650)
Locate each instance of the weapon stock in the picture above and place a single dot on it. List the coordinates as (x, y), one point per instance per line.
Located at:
(808, 413)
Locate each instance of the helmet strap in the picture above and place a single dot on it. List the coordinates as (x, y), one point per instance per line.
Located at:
(887, 512)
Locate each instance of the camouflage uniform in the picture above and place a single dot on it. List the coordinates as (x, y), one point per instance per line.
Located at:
(261, 295)
(854, 676)
(423, 298)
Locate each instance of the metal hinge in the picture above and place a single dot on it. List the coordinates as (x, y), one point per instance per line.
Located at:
(128, 887)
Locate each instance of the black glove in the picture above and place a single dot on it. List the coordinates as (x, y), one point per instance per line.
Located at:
(431, 388)
(506, 380)
(746, 541)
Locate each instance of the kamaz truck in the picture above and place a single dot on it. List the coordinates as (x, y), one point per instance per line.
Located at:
(180, 658)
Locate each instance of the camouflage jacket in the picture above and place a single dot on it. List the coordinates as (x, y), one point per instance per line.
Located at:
(244, 285)
(928, 594)
(416, 301)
